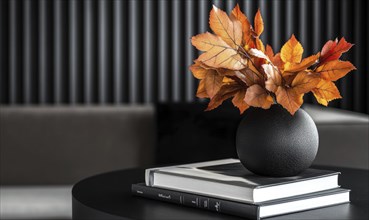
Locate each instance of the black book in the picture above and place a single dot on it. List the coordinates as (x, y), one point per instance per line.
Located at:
(246, 210)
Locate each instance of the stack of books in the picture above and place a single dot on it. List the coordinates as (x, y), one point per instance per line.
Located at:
(225, 186)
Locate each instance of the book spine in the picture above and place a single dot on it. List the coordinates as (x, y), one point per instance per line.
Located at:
(191, 200)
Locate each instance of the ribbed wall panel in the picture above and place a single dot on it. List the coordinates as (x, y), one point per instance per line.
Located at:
(290, 18)
(229, 5)
(364, 55)
(89, 52)
(203, 13)
(164, 53)
(135, 51)
(190, 54)
(75, 61)
(359, 79)
(139, 51)
(4, 58)
(61, 87)
(346, 23)
(276, 23)
(176, 34)
(248, 9)
(120, 51)
(219, 3)
(265, 12)
(104, 51)
(44, 61)
(28, 57)
(149, 56)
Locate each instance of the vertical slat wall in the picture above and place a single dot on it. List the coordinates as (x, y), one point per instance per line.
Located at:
(138, 51)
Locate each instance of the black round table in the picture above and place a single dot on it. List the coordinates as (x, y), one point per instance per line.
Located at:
(108, 196)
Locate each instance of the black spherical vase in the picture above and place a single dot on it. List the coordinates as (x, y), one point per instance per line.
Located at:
(272, 142)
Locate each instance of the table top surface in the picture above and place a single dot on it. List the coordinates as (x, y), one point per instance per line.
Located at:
(109, 196)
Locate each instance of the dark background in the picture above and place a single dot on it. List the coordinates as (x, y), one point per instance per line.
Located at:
(114, 52)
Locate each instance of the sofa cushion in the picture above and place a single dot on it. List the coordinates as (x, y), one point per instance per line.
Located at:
(343, 137)
(61, 145)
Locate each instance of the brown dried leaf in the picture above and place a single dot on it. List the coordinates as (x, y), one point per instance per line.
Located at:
(213, 82)
(218, 54)
(229, 30)
(239, 102)
(258, 97)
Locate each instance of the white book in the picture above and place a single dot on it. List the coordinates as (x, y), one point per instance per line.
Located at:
(228, 179)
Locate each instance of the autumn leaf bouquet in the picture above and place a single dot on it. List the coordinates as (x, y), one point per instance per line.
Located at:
(236, 64)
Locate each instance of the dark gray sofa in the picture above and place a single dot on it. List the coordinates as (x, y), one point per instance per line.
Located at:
(44, 150)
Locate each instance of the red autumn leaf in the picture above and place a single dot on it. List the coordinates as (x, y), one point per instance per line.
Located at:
(333, 50)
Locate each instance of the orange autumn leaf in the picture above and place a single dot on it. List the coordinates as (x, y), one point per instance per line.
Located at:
(292, 51)
(304, 82)
(201, 91)
(335, 69)
(237, 14)
(213, 82)
(277, 61)
(218, 54)
(198, 71)
(229, 30)
(225, 92)
(332, 50)
(291, 97)
(325, 92)
(259, 44)
(258, 23)
(236, 64)
(239, 102)
(269, 52)
(258, 97)
(305, 63)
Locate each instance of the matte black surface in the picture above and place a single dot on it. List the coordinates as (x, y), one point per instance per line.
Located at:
(186, 128)
(108, 196)
(272, 142)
